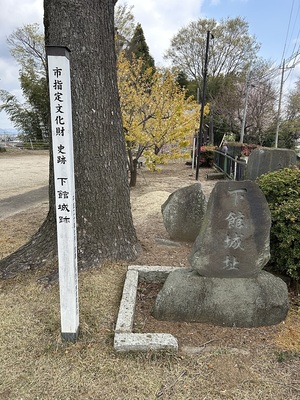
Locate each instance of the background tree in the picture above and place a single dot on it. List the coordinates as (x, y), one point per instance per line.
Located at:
(30, 117)
(224, 103)
(158, 119)
(260, 94)
(232, 49)
(234, 97)
(289, 132)
(124, 26)
(260, 114)
(27, 45)
(231, 52)
(293, 106)
(104, 222)
(138, 48)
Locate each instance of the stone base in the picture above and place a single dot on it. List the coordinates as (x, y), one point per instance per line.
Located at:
(241, 302)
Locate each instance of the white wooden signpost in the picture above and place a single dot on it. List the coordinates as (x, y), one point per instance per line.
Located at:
(63, 161)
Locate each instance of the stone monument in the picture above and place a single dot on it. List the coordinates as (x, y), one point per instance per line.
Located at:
(234, 240)
(226, 284)
(183, 213)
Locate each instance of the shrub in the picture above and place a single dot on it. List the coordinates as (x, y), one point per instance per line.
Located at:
(236, 149)
(282, 191)
(207, 156)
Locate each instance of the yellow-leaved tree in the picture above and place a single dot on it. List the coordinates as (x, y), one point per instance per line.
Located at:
(158, 120)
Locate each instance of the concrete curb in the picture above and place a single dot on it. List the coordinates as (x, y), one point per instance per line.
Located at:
(125, 339)
(145, 342)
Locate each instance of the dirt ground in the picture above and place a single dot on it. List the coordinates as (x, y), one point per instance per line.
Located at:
(151, 192)
(267, 354)
(22, 171)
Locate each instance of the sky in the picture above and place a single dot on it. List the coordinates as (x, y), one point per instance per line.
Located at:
(274, 23)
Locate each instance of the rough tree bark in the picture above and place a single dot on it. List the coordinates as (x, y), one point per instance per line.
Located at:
(105, 228)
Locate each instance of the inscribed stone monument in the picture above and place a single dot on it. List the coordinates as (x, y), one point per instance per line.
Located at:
(234, 240)
(226, 284)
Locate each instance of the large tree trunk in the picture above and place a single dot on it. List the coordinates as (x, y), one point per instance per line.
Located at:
(105, 229)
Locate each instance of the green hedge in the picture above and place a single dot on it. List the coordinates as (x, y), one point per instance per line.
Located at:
(282, 191)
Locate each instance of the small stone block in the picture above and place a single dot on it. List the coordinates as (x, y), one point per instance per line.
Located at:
(145, 342)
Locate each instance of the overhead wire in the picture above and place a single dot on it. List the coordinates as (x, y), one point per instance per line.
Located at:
(295, 52)
(276, 70)
(295, 20)
(287, 33)
(282, 66)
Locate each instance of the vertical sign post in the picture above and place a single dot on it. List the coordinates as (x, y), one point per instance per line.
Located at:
(63, 161)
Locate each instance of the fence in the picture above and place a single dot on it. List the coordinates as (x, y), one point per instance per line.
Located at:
(26, 144)
(233, 168)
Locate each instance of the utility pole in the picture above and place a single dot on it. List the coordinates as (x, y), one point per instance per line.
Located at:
(279, 105)
(202, 104)
(248, 85)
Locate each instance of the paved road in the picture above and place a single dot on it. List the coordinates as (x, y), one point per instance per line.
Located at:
(21, 202)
